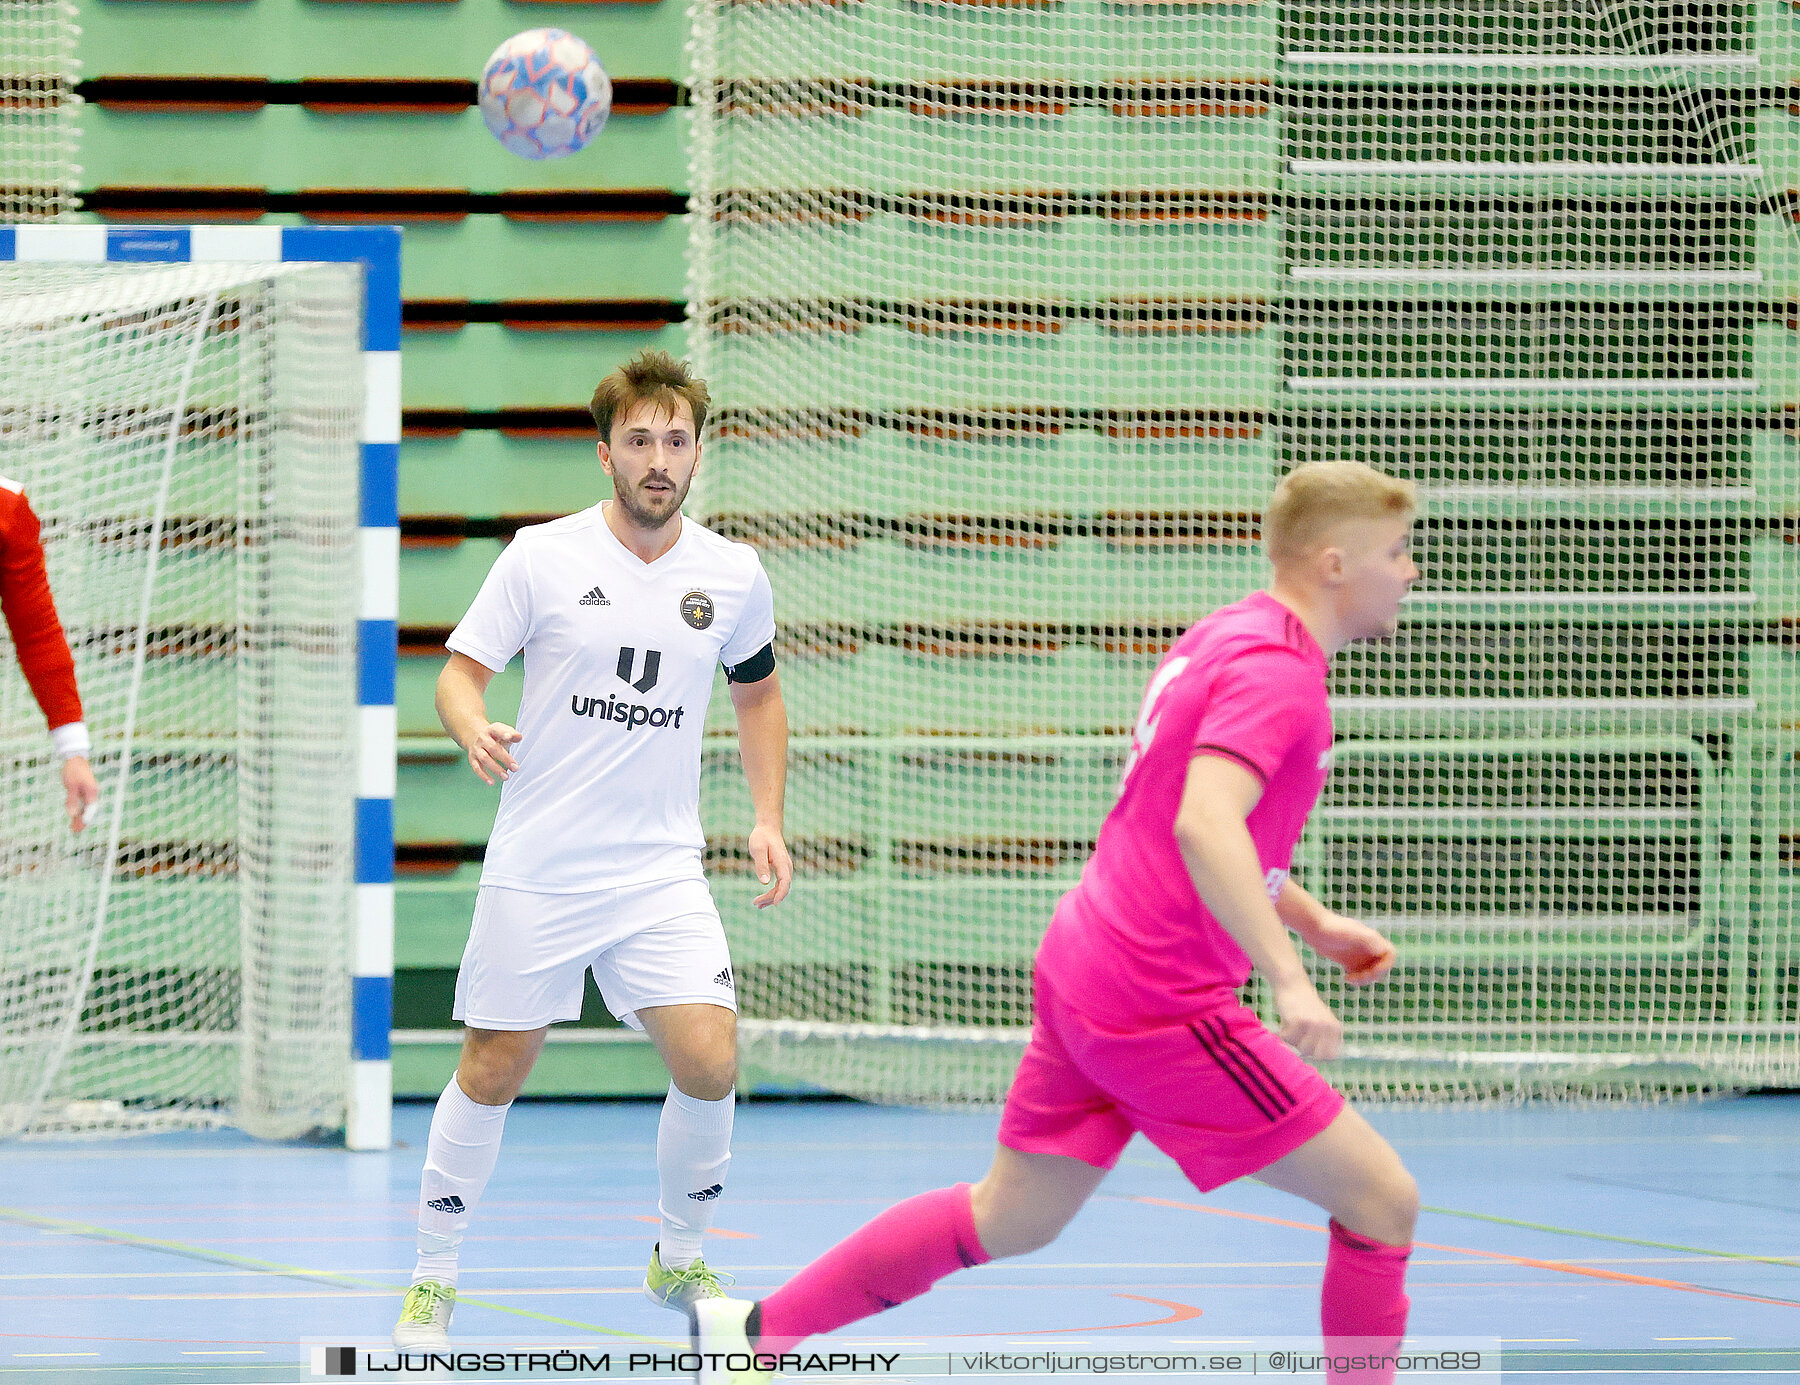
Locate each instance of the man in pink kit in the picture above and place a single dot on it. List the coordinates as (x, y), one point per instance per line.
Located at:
(1138, 1025)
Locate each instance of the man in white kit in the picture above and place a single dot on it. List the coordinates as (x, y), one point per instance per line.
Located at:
(623, 612)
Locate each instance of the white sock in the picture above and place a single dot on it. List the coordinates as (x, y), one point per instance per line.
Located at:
(693, 1150)
(465, 1141)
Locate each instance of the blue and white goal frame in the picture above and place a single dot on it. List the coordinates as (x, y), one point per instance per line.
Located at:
(368, 1122)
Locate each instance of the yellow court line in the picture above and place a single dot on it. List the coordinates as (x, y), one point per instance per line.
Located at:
(219, 1257)
(1787, 1260)
(334, 1293)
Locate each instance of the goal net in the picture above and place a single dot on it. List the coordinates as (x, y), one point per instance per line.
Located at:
(188, 436)
(1014, 315)
(40, 126)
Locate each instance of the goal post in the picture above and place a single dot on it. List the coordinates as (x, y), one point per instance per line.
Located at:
(207, 421)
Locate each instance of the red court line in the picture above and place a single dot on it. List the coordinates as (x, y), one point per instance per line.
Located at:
(1558, 1266)
(1180, 1312)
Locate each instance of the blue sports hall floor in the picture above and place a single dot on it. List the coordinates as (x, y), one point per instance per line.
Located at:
(1604, 1242)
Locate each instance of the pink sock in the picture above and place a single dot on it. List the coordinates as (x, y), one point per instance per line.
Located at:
(898, 1256)
(1363, 1303)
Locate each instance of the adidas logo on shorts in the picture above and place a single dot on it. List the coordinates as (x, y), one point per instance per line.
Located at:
(452, 1205)
(708, 1194)
(595, 598)
(723, 978)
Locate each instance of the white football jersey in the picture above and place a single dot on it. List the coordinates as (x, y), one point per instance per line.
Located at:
(620, 657)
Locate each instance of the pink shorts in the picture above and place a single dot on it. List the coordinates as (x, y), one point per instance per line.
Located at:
(1215, 1091)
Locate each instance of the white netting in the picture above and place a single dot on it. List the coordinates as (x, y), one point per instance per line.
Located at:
(1013, 316)
(40, 127)
(188, 436)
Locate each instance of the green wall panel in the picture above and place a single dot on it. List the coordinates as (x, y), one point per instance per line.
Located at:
(442, 801)
(887, 255)
(1084, 150)
(489, 257)
(416, 695)
(484, 472)
(431, 918)
(1070, 41)
(437, 584)
(288, 147)
(288, 39)
(487, 366)
(622, 1066)
(627, 1067)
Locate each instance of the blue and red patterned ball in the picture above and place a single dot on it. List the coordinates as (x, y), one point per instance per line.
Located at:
(544, 94)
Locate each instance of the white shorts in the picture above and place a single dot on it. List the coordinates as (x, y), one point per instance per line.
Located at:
(655, 944)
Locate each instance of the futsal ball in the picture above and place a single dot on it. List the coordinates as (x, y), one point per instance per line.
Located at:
(544, 94)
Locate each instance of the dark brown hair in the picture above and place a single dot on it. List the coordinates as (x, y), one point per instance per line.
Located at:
(651, 375)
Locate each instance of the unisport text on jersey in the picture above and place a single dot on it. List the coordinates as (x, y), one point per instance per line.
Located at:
(630, 714)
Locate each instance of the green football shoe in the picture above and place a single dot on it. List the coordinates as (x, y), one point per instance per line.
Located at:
(425, 1316)
(680, 1289)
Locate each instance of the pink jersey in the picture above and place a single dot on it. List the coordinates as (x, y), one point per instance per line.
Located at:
(1132, 939)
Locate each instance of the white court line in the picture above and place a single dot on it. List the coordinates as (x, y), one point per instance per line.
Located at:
(475, 1274)
(1586, 597)
(1730, 706)
(1625, 61)
(1492, 167)
(1330, 274)
(1637, 494)
(554, 1292)
(1522, 384)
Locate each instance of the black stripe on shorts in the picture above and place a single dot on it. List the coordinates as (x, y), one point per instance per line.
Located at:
(1254, 1094)
(1280, 1094)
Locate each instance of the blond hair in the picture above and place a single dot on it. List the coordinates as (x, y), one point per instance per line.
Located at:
(650, 375)
(1316, 496)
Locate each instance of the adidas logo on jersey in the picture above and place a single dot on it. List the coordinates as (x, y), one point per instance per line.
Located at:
(595, 598)
(723, 978)
(708, 1194)
(452, 1205)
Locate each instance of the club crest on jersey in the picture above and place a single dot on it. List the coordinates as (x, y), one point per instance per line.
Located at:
(697, 610)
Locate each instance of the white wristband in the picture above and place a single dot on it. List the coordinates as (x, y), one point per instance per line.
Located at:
(71, 740)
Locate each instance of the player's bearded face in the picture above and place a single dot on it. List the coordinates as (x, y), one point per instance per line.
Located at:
(654, 457)
(655, 497)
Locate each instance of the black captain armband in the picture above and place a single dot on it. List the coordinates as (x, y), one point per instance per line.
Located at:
(754, 669)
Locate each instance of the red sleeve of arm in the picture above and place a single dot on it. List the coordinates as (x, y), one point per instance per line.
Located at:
(30, 612)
